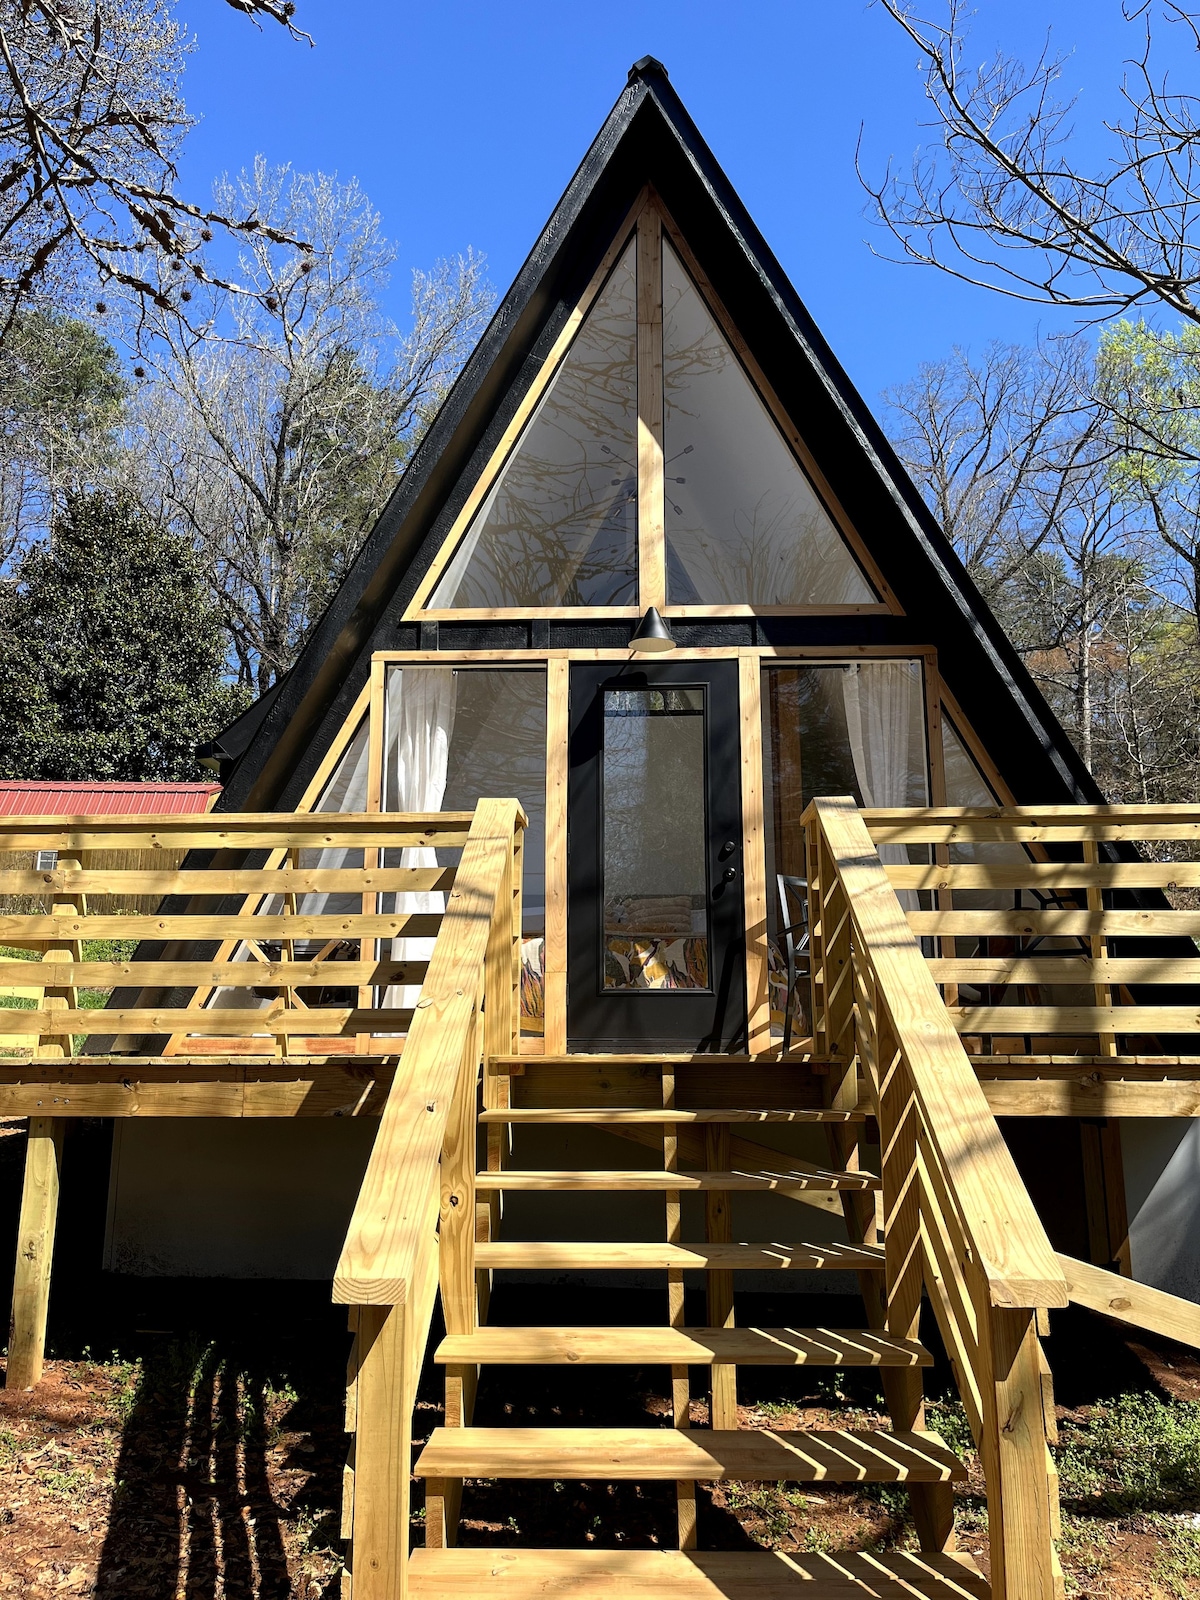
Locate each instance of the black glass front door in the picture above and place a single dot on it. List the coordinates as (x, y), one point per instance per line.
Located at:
(655, 937)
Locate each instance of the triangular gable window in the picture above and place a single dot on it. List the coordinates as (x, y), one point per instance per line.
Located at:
(559, 526)
(744, 525)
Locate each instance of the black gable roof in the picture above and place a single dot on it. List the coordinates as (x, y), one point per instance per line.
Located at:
(649, 138)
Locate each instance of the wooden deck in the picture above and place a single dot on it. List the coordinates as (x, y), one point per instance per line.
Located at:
(1018, 963)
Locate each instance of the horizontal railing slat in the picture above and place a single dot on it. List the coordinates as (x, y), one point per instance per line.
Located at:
(309, 1021)
(211, 974)
(1048, 875)
(1050, 971)
(341, 925)
(1056, 924)
(1006, 1236)
(226, 880)
(1048, 1019)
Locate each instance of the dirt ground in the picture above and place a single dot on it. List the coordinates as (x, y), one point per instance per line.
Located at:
(187, 1441)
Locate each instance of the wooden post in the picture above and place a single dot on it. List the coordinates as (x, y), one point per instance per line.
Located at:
(382, 1456)
(685, 1490)
(43, 1165)
(557, 740)
(899, 1126)
(35, 1251)
(1021, 1494)
(501, 1024)
(718, 1229)
(754, 862)
(838, 975)
(456, 1271)
(818, 987)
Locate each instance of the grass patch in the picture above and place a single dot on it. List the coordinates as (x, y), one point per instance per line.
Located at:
(1177, 1562)
(1134, 1453)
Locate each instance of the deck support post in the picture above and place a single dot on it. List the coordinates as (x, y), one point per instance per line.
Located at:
(35, 1252)
(382, 1456)
(1021, 1492)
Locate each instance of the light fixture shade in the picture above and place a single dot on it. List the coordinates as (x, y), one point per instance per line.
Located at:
(651, 636)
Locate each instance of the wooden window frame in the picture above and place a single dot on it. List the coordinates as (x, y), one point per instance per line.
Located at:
(557, 664)
(647, 222)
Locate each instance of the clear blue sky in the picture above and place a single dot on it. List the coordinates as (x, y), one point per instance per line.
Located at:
(464, 119)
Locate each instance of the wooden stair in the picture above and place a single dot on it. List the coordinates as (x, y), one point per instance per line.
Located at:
(681, 1454)
(751, 1347)
(634, 1178)
(650, 1255)
(748, 1455)
(691, 1575)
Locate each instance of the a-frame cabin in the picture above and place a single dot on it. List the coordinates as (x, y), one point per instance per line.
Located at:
(651, 420)
(695, 856)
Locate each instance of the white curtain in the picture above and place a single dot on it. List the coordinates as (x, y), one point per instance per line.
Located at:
(419, 713)
(885, 723)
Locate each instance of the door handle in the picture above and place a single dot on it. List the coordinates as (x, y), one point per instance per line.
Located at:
(730, 874)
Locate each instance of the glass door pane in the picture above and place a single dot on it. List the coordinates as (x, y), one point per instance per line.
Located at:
(654, 852)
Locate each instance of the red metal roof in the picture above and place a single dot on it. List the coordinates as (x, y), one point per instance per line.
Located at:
(28, 799)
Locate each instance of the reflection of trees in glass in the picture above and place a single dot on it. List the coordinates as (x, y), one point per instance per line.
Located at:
(743, 523)
(560, 527)
(498, 747)
(655, 877)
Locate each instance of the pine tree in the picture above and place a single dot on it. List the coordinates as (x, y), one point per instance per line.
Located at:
(111, 651)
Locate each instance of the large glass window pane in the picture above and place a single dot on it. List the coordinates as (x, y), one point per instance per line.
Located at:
(655, 866)
(743, 523)
(459, 736)
(559, 527)
(456, 737)
(857, 729)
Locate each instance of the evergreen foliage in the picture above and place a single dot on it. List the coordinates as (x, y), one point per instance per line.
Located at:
(111, 651)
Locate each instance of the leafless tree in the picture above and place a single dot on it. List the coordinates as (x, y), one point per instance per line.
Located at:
(1021, 461)
(91, 119)
(998, 446)
(273, 425)
(998, 200)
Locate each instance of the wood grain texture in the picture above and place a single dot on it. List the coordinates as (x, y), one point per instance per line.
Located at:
(693, 1575)
(747, 1454)
(639, 1178)
(640, 1256)
(752, 1347)
(1132, 1302)
(754, 859)
(557, 753)
(35, 1252)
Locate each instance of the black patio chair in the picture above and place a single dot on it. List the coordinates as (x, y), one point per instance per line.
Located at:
(793, 930)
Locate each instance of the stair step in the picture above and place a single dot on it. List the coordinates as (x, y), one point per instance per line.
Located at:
(743, 1454)
(555, 1256)
(619, 1115)
(752, 1347)
(461, 1574)
(681, 1058)
(646, 1178)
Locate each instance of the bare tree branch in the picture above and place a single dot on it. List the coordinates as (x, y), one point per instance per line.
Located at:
(996, 200)
(91, 121)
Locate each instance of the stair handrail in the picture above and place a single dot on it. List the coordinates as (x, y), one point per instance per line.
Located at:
(413, 1223)
(959, 1222)
(1004, 1229)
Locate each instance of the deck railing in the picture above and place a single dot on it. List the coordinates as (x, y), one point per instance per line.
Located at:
(259, 987)
(959, 1224)
(414, 1226)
